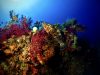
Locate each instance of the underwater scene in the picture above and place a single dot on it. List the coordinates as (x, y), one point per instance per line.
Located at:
(32, 45)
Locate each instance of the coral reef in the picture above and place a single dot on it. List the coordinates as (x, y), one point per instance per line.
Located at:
(45, 50)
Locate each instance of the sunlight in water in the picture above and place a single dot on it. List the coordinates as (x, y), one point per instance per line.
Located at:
(18, 5)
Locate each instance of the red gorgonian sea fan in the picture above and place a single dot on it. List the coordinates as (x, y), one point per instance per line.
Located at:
(14, 29)
(37, 41)
(18, 31)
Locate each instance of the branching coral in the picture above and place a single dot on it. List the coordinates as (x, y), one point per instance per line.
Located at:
(15, 27)
(38, 41)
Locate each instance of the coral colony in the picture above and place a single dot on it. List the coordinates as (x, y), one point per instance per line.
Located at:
(41, 49)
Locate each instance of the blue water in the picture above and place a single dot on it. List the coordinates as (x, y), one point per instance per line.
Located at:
(87, 12)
